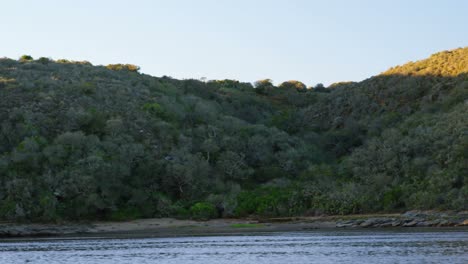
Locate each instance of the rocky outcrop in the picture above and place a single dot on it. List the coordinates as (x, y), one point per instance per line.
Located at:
(34, 230)
(170, 227)
(409, 219)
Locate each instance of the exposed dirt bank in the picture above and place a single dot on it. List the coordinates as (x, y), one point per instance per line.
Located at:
(172, 227)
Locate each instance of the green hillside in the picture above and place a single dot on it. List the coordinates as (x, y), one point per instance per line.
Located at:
(79, 141)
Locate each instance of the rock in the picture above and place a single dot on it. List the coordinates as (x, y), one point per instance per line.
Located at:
(349, 223)
(410, 214)
(396, 223)
(444, 222)
(374, 222)
(410, 224)
(416, 214)
(41, 230)
(463, 223)
(342, 225)
(385, 224)
(367, 223)
(433, 222)
(451, 223)
(358, 222)
(423, 224)
(463, 214)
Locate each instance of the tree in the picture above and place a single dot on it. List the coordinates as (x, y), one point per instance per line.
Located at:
(44, 60)
(26, 58)
(209, 146)
(292, 84)
(320, 88)
(233, 166)
(263, 86)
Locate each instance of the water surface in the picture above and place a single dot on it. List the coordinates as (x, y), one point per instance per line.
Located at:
(293, 247)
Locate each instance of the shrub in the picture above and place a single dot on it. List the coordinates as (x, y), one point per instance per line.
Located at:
(266, 202)
(153, 108)
(263, 86)
(157, 110)
(293, 84)
(44, 60)
(25, 58)
(63, 61)
(7, 209)
(128, 213)
(392, 199)
(178, 211)
(203, 211)
(123, 67)
(88, 88)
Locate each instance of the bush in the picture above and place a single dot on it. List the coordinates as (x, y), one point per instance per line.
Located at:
(392, 199)
(123, 214)
(123, 67)
(178, 211)
(25, 58)
(267, 202)
(203, 211)
(7, 209)
(44, 60)
(63, 61)
(263, 86)
(293, 84)
(88, 88)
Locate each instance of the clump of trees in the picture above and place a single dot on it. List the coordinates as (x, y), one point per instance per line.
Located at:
(86, 142)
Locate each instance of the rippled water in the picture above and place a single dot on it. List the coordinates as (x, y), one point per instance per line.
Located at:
(299, 247)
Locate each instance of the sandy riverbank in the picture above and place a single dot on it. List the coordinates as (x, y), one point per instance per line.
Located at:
(172, 227)
(160, 227)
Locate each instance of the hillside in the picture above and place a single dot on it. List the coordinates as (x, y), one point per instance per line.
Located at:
(79, 141)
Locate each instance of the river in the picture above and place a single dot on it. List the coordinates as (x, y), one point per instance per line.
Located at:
(335, 246)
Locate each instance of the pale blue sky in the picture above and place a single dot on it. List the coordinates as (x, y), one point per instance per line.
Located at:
(311, 41)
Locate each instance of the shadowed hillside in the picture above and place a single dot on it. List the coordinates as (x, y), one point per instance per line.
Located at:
(79, 141)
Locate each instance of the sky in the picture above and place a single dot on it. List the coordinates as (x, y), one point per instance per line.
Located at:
(311, 41)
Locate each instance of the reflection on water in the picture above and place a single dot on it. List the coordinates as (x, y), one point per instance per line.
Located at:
(299, 247)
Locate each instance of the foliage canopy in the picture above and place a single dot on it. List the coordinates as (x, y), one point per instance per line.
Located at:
(79, 141)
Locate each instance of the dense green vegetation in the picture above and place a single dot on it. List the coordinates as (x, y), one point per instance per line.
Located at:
(79, 141)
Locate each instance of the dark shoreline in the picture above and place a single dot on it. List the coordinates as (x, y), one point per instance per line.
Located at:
(167, 227)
